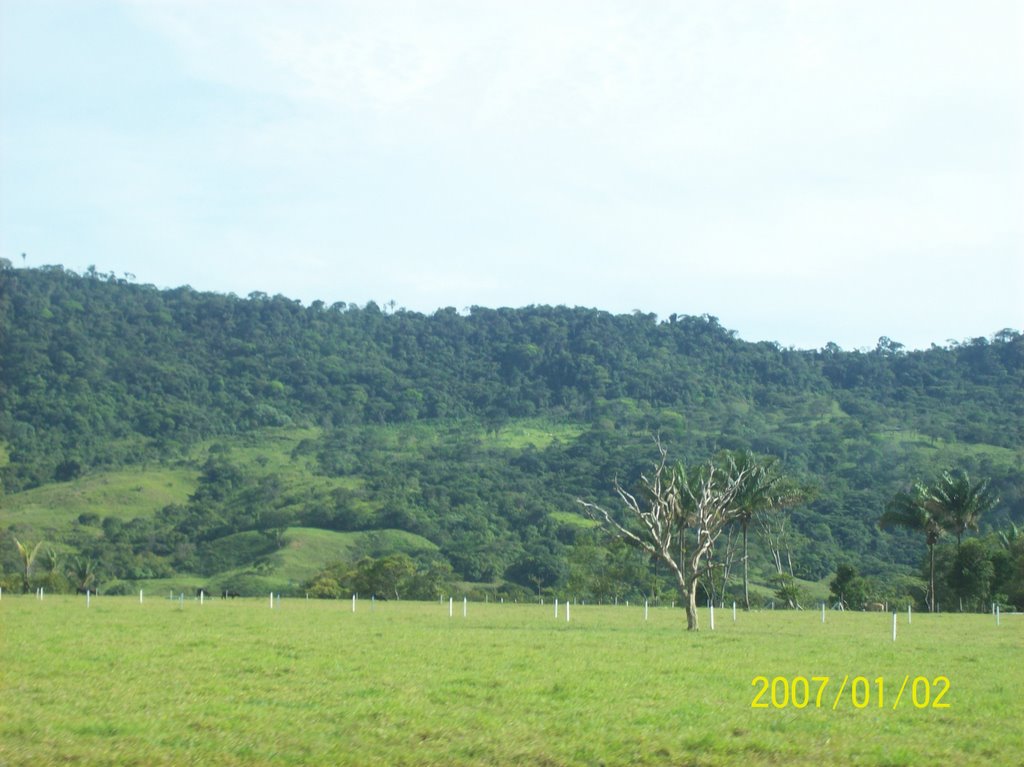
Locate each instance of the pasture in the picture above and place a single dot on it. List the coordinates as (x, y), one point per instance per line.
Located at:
(238, 683)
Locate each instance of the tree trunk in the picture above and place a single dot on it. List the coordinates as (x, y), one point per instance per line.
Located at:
(709, 570)
(688, 598)
(931, 585)
(746, 577)
(729, 559)
(691, 609)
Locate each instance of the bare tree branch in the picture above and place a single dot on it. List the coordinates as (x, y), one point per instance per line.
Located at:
(680, 514)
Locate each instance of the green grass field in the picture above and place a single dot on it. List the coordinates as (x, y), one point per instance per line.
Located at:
(126, 494)
(239, 683)
(307, 551)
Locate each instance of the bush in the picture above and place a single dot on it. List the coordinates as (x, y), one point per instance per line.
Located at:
(513, 592)
(10, 582)
(120, 589)
(325, 587)
(53, 583)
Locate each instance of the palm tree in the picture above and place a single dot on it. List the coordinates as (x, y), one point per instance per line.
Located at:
(52, 560)
(27, 560)
(763, 489)
(1010, 536)
(961, 502)
(914, 510)
(83, 571)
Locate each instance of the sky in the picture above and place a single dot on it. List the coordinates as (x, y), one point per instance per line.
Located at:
(807, 172)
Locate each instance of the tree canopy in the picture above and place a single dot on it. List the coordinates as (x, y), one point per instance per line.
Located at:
(474, 431)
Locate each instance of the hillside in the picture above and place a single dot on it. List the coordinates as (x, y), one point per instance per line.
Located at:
(140, 427)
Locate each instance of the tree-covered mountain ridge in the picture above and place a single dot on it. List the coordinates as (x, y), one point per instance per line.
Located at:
(98, 373)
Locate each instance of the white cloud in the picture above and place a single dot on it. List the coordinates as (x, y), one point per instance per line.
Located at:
(451, 153)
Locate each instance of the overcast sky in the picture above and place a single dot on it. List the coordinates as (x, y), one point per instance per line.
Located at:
(805, 171)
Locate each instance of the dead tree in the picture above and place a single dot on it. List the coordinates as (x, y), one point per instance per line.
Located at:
(718, 570)
(774, 532)
(676, 516)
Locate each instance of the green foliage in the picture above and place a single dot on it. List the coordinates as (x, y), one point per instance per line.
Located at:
(960, 503)
(981, 571)
(396, 576)
(143, 429)
(541, 565)
(299, 554)
(848, 588)
(978, 571)
(915, 510)
(82, 572)
(236, 550)
(788, 590)
(605, 572)
(971, 575)
(28, 557)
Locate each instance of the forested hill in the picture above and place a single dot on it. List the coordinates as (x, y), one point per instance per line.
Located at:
(97, 373)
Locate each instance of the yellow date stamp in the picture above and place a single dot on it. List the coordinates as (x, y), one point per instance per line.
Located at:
(860, 692)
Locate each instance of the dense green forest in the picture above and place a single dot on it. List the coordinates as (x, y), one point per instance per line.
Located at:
(150, 435)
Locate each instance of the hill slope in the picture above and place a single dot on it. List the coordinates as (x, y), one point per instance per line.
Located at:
(140, 426)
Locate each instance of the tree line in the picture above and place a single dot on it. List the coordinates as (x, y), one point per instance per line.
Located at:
(99, 371)
(953, 506)
(677, 515)
(408, 413)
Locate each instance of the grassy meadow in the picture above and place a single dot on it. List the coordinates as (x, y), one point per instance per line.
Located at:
(125, 494)
(239, 683)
